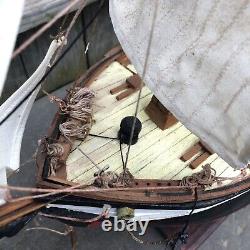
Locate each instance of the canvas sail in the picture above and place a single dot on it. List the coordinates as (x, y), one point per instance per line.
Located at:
(199, 65)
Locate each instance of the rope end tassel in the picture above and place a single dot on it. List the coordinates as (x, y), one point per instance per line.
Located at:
(78, 108)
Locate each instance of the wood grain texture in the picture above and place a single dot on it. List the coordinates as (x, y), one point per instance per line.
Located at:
(157, 155)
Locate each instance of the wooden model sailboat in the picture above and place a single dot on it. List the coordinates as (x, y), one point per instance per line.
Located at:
(166, 165)
(114, 141)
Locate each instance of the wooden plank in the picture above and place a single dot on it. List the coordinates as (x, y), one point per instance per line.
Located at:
(92, 144)
(187, 171)
(191, 152)
(99, 155)
(149, 146)
(199, 160)
(132, 68)
(157, 153)
(160, 167)
(10, 207)
(115, 73)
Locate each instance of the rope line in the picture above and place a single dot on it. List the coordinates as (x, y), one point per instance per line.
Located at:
(141, 84)
(145, 242)
(55, 64)
(78, 12)
(104, 137)
(183, 236)
(44, 28)
(80, 150)
(66, 232)
(123, 163)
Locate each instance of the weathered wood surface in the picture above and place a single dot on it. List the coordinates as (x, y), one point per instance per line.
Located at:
(100, 37)
(157, 155)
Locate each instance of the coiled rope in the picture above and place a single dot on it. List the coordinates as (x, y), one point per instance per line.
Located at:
(206, 177)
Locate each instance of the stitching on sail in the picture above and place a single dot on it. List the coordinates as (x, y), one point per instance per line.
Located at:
(219, 78)
(234, 20)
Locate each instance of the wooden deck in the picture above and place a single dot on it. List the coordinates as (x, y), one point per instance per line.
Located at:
(157, 153)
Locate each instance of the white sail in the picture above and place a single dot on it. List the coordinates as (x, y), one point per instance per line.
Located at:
(199, 65)
(12, 129)
(9, 23)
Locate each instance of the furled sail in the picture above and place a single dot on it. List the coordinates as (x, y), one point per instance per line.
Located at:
(9, 22)
(198, 64)
(13, 120)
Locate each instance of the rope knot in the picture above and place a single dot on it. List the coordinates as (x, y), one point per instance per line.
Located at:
(206, 177)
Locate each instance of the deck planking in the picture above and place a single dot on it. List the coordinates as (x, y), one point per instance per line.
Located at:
(157, 153)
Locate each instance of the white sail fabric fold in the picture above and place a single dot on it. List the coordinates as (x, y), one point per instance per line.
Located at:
(11, 130)
(199, 65)
(10, 17)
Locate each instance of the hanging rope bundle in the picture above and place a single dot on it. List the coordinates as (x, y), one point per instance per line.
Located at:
(72, 128)
(54, 151)
(80, 105)
(79, 108)
(53, 165)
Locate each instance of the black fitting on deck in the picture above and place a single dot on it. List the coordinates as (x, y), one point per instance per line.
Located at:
(126, 129)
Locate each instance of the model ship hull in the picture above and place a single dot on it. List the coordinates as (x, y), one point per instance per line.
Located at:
(148, 195)
(159, 199)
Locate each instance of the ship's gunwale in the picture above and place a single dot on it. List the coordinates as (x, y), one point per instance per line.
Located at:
(158, 195)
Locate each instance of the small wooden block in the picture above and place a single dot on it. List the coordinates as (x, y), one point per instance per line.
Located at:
(191, 152)
(134, 81)
(125, 94)
(132, 84)
(194, 164)
(121, 87)
(159, 114)
(123, 60)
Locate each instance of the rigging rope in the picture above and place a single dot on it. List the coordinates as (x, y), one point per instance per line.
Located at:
(55, 64)
(104, 214)
(104, 137)
(141, 84)
(144, 242)
(44, 28)
(78, 12)
(89, 158)
(66, 232)
(183, 236)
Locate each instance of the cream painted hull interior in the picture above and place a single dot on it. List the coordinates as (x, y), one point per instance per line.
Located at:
(157, 153)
